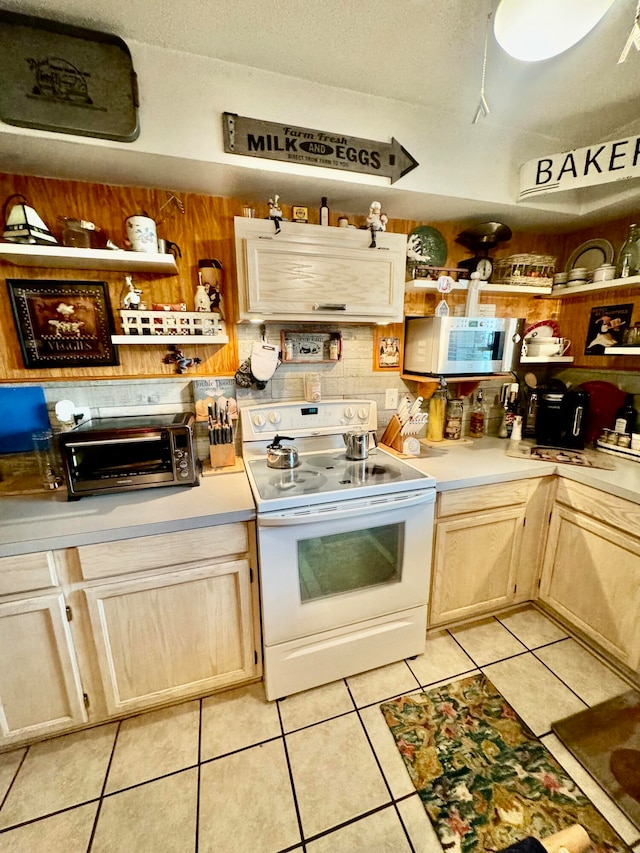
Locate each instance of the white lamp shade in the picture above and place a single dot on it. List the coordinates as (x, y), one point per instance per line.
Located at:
(533, 30)
(23, 225)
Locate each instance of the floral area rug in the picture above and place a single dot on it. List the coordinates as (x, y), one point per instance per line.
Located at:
(484, 778)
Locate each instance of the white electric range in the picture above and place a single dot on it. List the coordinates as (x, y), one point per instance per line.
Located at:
(344, 546)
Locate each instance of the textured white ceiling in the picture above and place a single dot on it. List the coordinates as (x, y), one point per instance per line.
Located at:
(426, 52)
(423, 52)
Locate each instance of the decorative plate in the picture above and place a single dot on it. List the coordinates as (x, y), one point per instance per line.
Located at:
(591, 254)
(543, 329)
(426, 245)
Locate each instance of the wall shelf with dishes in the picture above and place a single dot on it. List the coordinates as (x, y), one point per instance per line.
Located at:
(575, 290)
(64, 257)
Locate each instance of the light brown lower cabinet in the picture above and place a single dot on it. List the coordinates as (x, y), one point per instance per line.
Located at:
(125, 626)
(591, 572)
(40, 689)
(487, 549)
(166, 637)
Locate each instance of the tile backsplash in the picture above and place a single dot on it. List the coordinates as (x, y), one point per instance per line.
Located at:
(351, 377)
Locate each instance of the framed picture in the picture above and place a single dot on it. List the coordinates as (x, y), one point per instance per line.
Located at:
(63, 323)
(607, 325)
(389, 352)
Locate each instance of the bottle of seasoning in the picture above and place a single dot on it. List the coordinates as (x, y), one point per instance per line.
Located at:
(629, 257)
(324, 212)
(477, 419)
(626, 416)
(437, 410)
(453, 427)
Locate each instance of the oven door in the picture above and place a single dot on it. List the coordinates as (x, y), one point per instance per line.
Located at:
(333, 565)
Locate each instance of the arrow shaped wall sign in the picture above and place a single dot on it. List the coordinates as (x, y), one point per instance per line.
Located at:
(273, 141)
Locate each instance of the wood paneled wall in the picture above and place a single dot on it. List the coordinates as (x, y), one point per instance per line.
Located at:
(206, 231)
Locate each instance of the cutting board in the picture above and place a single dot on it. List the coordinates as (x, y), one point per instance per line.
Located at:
(23, 411)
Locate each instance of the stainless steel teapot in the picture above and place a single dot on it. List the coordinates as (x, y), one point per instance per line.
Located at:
(281, 456)
(359, 442)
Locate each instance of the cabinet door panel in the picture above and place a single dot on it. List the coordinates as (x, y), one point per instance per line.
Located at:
(290, 279)
(173, 635)
(40, 690)
(591, 576)
(475, 564)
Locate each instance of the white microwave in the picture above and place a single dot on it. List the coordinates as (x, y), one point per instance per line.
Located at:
(461, 345)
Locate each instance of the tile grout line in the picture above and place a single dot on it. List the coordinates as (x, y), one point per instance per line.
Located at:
(561, 680)
(377, 760)
(104, 785)
(15, 776)
(197, 838)
(48, 815)
(291, 780)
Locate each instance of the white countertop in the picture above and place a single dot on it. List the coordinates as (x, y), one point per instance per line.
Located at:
(47, 521)
(485, 462)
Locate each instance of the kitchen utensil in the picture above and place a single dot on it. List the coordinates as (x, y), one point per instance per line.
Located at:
(606, 272)
(485, 234)
(141, 232)
(282, 456)
(359, 443)
(415, 424)
(403, 410)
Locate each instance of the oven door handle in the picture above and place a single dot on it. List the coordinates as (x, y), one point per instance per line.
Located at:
(286, 520)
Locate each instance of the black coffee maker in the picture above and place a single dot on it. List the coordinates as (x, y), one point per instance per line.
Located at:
(562, 418)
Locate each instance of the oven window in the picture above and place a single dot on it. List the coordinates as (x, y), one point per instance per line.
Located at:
(112, 461)
(343, 562)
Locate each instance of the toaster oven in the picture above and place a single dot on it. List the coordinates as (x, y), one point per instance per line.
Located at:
(106, 455)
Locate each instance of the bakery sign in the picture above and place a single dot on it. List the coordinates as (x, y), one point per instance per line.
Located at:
(274, 141)
(603, 163)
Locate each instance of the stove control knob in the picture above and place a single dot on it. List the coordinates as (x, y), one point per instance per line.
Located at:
(348, 412)
(274, 417)
(259, 420)
(363, 414)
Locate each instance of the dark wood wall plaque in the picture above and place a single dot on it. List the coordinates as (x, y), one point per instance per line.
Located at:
(63, 323)
(255, 138)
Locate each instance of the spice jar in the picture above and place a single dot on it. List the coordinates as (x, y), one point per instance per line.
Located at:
(453, 427)
(437, 412)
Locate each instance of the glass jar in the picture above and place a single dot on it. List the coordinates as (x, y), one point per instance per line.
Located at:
(437, 413)
(453, 427)
(629, 257)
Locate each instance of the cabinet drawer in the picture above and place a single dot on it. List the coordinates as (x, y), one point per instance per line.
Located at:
(163, 551)
(478, 498)
(27, 572)
(624, 515)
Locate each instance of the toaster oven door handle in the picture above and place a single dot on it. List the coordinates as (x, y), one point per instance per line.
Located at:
(149, 437)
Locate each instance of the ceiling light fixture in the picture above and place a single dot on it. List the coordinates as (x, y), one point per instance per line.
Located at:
(540, 29)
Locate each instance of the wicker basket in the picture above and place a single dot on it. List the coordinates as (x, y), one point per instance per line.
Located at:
(193, 323)
(525, 270)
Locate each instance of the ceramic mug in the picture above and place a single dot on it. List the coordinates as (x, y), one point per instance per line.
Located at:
(141, 232)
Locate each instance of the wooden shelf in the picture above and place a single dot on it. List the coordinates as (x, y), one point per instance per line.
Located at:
(546, 359)
(64, 257)
(152, 340)
(485, 287)
(466, 384)
(576, 289)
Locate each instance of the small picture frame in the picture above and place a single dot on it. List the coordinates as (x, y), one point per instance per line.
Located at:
(389, 352)
(607, 325)
(63, 323)
(299, 214)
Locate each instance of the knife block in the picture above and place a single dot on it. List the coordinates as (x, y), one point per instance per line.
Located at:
(392, 435)
(222, 455)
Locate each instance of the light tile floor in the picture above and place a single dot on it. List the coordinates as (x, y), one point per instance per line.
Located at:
(317, 771)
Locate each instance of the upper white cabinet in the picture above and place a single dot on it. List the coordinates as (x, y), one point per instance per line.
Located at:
(318, 273)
